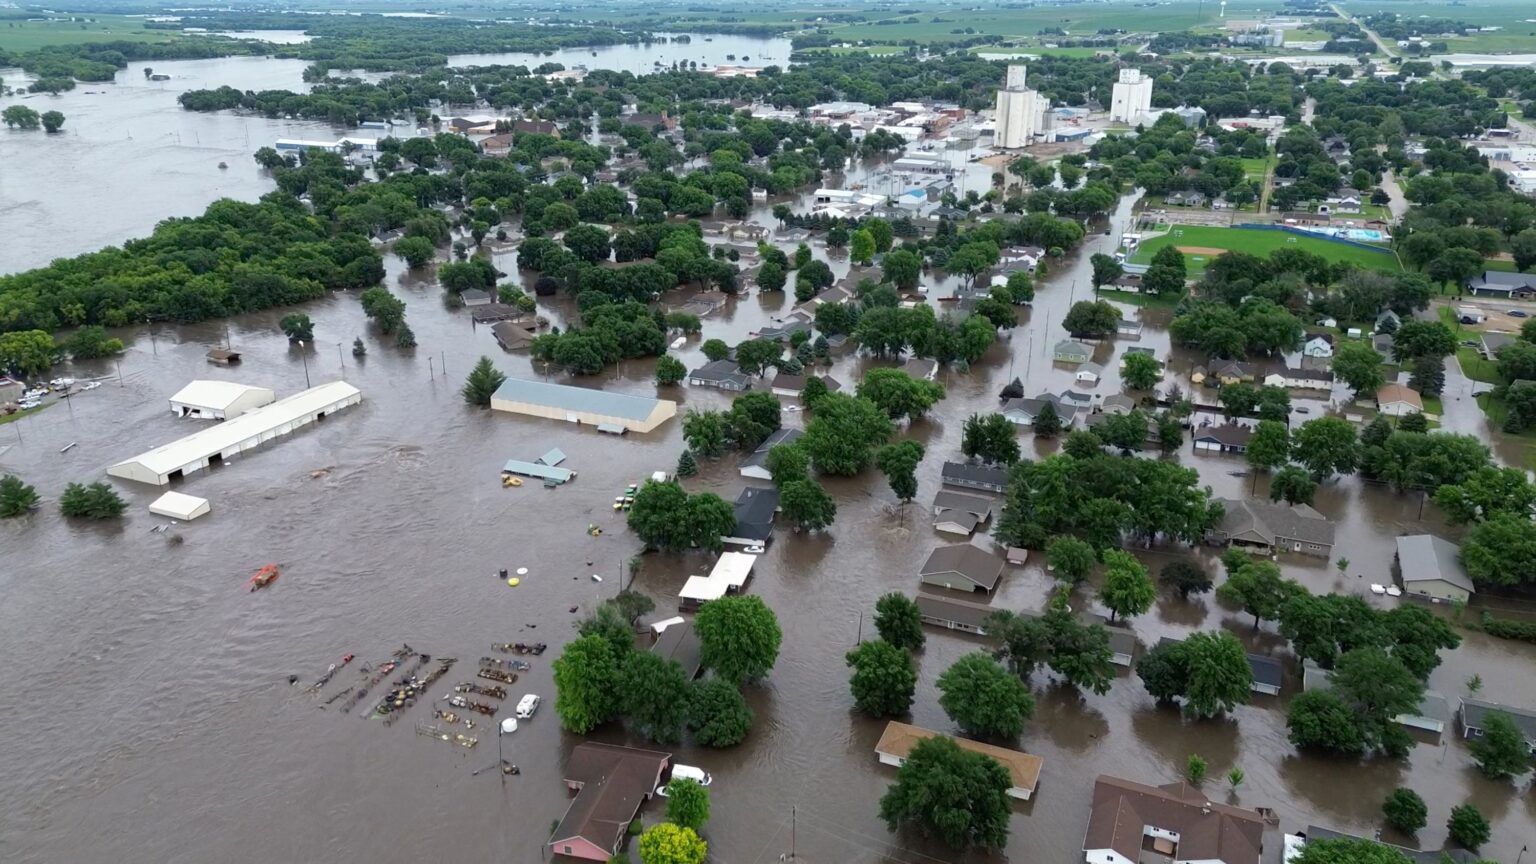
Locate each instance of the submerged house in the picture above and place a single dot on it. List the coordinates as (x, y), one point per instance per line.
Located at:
(962, 567)
(609, 412)
(897, 741)
(611, 783)
(1173, 822)
(1267, 527)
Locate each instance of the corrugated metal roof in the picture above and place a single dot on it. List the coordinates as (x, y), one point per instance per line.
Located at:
(204, 393)
(217, 439)
(1427, 558)
(534, 469)
(569, 398)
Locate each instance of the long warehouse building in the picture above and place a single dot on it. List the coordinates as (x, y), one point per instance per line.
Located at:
(232, 437)
(609, 412)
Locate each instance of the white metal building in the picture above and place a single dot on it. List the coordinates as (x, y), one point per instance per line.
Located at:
(218, 400)
(731, 573)
(1131, 99)
(179, 506)
(233, 437)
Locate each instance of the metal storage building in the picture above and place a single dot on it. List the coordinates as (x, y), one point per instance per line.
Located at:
(219, 400)
(582, 405)
(233, 437)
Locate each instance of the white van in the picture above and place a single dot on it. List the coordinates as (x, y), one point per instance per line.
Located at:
(527, 705)
(686, 772)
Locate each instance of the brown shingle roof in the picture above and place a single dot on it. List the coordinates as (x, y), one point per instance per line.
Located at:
(614, 782)
(1207, 831)
(1024, 768)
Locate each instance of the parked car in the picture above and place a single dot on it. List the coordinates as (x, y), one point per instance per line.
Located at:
(686, 772)
(1518, 313)
(527, 705)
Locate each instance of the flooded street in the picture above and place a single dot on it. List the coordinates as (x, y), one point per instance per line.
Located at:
(151, 715)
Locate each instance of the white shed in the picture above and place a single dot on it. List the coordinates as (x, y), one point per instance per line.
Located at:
(178, 506)
(218, 400)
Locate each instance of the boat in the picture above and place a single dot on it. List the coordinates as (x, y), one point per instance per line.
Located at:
(264, 577)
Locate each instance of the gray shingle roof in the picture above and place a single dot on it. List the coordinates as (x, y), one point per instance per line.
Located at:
(970, 472)
(975, 564)
(1272, 520)
(571, 398)
(721, 370)
(1427, 558)
(1474, 713)
(760, 455)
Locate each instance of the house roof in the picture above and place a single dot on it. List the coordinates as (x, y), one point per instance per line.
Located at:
(951, 609)
(718, 371)
(1033, 407)
(1207, 831)
(1417, 856)
(755, 508)
(1474, 713)
(974, 472)
(1121, 639)
(964, 502)
(1503, 280)
(1394, 393)
(614, 782)
(1272, 520)
(1427, 558)
(512, 335)
(1120, 400)
(571, 398)
(1303, 374)
(786, 381)
(1091, 368)
(1023, 768)
(1492, 342)
(679, 642)
(1073, 348)
(1320, 337)
(780, 436)
(975, 564)
(1229, 434)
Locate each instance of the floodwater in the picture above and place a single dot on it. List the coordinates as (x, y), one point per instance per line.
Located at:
(643, 59)
(153, 720)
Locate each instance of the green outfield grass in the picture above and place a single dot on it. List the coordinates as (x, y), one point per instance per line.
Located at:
(1261, 243)
(21, 36)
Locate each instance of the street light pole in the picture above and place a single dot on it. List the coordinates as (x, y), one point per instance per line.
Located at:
(305, 358)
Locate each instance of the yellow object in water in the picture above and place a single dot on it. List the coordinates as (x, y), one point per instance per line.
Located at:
(512, 481)
(514, 581)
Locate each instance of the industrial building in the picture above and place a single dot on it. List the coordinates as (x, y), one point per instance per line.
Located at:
(1020, 111)
(233, 437)
(609, 412)
(218, 400)
(1131, 99)
(178, 506)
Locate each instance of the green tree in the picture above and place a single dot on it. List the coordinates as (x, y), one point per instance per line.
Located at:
(1414, 339)
(586, 684)
(1186, 577)
(1378, 687)
(958, 795)
(1468, 827)
(862, 250)
(1501, 751)
(1359, 366)
(1047, 422)
(1293, 485)
(482, 383)
(687, 466)
(416, 251)
(96, 501)
(991, 439)
(1219, 675)
(1522, 247)
(843, 434)
(1105, 270)
(883, 679)
(1070, 559)
(1405, 810)
(1235, 778)
(899, 394)
(53, 121)
(27, 353)
(1128, 590)
(1257, 586)
(805, 503)
(898, 462)
(653, 693)
(1319, 720)
(687, 803)
(91, 342)
(1348, 851)
(1140, 371)
(665, 517)
(20, 117)
(715, 349)
(669, 370)
(899, 621)
(902, 268)
(739, 637)
(787, 463)
(17, 498)
(718, 715)
(1501, 551)
(983, 699)
(667, 843)
(756, 355)
(1326, 446)
(1270, 445)
(1194, 769)
(1094, 319)
(706, 432)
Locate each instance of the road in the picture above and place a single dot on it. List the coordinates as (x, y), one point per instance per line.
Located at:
(1389, 50)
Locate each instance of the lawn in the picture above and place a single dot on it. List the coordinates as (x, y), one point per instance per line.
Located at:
(1473, 364)
(871, 50)
(1261, 243)
(12, 418)
(1149, 301)
(19, 36)
(1078, 20)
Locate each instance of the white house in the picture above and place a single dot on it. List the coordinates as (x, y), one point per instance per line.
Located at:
(218, 400)
(1089, 373)
(1395, 400)
(1318, 345)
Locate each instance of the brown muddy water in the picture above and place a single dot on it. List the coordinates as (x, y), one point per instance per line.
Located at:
(151, 719)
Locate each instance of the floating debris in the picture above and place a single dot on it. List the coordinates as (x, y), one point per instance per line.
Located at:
(481, 690)
(498, 675)
(520, 647)
(432, 731)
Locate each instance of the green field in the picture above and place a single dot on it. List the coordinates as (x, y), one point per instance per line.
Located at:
(1518, 35)
(872, 50)
(1079, 20)
(1261, 243)
(1038, 50)
(29, 35)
